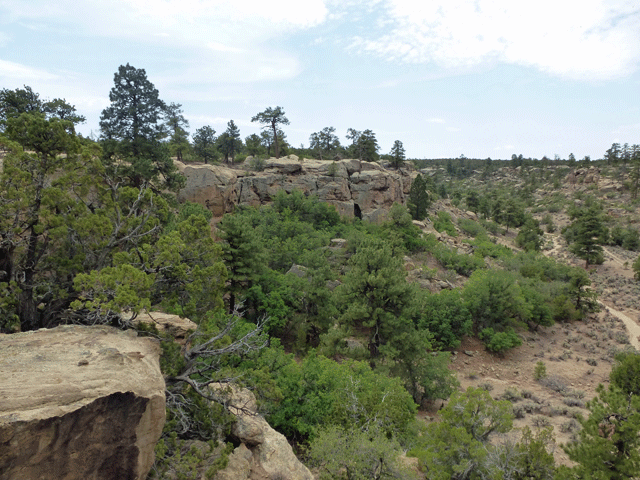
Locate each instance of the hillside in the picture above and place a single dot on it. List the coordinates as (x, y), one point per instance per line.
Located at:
(346, 318)
(578, 355)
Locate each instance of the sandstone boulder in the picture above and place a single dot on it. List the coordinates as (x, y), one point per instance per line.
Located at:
(178, 327)
(83, 403)
(263, 452)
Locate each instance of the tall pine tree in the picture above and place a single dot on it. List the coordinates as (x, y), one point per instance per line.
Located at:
(133, 130)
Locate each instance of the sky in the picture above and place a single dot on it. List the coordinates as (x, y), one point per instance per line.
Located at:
(483, 78)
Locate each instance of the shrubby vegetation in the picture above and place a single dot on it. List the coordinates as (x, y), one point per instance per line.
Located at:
(339, 347)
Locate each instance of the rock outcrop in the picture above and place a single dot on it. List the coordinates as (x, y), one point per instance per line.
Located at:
(178, 327)
(79, 403)
(355, 188)
(263, 453)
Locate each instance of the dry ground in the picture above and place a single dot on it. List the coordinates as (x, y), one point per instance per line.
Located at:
(578, 356)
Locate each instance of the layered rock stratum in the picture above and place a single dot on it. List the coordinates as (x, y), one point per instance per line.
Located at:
(79, 403)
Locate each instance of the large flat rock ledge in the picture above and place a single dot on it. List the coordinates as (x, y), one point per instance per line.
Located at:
(83, 403)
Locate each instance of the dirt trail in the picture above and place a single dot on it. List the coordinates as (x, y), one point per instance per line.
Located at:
(632, 327)
(613, 256)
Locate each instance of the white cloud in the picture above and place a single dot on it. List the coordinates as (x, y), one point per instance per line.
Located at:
(229, 37)
(182, 22)
(219, 47)
(592, 39)
(435, 120)
(628, 133)
(10, 72)
(504, 147)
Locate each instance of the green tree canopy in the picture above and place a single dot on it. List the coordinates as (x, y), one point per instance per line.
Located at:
(352, 453)
(24, 100)
(229, 143)
(364, 145)
(33, 212)
(419, 199)
(204, 144)
(376, 294)
(397, 154)
(625, 374)
(177, 125)
(587, 233)
(530, 235)
(608, 445)
(347, 394)
(244, 254)
(458, 446)
(132, 129)
(271, 118)
(253, 145)
(325, 142)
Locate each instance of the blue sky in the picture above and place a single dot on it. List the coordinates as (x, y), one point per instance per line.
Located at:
(484, 78)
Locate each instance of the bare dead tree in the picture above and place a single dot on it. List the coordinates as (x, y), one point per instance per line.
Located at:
(203, 356)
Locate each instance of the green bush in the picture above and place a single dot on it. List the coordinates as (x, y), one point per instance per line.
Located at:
(450, 259)
(500, 342)
(491, 226)
(486, 248)
(444, 224)
(257, 164)
(540, 371)
(471, 228)
(446, 317)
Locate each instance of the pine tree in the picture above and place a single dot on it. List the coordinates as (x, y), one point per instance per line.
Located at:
(177, 124)
(376, 294)
(133, 130)
(419, 200)
(243, 253)
(608, 445)
(204, 144)
(588, 232)
(270, 118)
(397, 154)
(229, 142)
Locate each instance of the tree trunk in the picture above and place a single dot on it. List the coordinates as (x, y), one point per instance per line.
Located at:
(275, 141)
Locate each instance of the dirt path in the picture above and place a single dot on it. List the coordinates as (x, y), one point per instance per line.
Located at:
(614, 257)
(632, 327)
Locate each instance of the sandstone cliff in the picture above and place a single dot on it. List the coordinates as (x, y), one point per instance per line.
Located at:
(83, 403)
(355, 188)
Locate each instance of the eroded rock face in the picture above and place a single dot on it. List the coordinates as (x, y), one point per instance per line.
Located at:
(263, 452)
(353, 187)
(83, 403)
